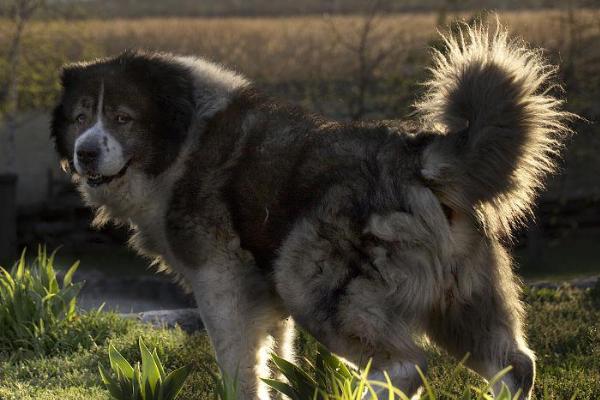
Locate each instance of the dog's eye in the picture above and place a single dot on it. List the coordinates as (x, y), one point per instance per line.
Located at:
(81, 118)
(123, 118)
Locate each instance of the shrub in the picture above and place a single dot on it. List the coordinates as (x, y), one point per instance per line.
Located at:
(148, 382)
(34, 306)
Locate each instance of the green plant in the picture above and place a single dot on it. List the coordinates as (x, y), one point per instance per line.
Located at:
(148, 382)
(34, 307)
(329, 378)
(327, 375)
(226, 387)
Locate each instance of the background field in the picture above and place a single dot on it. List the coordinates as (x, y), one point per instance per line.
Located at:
(307, 51)
(251, 8)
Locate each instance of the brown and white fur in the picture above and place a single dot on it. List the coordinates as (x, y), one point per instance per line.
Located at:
(368, 235)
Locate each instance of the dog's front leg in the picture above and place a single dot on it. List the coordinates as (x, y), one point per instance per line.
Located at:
(238, 309)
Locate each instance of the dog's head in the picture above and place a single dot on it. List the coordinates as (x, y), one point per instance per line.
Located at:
(132, 111)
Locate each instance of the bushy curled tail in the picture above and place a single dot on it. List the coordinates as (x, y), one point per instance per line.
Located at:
(500, 129)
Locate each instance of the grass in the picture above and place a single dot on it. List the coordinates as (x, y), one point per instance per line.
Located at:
(563, 329)
(75, 375)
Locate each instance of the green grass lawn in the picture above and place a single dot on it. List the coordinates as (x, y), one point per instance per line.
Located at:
(564, 330)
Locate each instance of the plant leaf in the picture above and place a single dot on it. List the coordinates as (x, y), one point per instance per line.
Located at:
(119, 364)
(115, 390)
(68, 278)
(282, 388)
(150, 372)
(174, 382)
(159, 365)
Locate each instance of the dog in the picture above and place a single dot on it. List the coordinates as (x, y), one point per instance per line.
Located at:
(369, 236)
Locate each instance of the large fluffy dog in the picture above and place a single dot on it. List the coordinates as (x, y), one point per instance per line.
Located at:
(368, 235)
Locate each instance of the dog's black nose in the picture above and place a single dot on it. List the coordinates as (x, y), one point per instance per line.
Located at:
(87, 155)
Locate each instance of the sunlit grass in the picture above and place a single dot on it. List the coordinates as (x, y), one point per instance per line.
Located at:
(563, 330)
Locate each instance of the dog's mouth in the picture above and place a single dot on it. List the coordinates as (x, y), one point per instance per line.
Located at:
(95, 180)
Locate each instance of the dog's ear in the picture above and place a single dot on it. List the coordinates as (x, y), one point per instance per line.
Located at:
(171, 86)
(70, 74)
(57, 128)
(59, 121)
(171, 89)
(176, 102)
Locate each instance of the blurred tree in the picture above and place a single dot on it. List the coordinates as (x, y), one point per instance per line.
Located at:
(21, 12)
(369, 51)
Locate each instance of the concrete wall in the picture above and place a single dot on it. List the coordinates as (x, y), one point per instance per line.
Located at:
(36, 160)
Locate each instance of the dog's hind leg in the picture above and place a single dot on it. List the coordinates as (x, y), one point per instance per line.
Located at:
(283, 334)
(334, 291)
(239, 311)
(487, 328)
